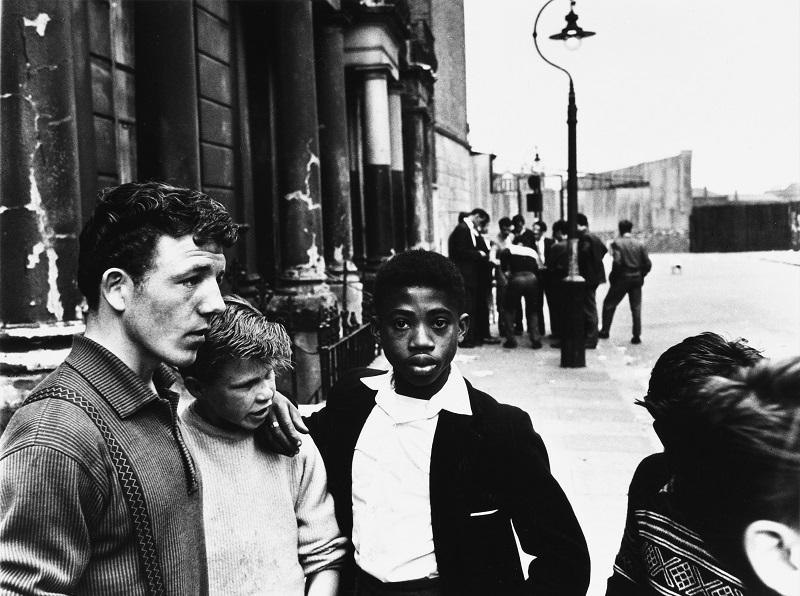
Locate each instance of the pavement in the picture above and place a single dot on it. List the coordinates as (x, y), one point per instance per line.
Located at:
(594, 432)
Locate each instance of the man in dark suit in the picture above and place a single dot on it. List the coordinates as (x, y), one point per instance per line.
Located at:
(428, 473)
(542, 245)
(591, 251)
(469, 251)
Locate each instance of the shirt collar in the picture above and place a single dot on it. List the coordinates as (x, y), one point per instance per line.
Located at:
(123, 389)
(453, 397)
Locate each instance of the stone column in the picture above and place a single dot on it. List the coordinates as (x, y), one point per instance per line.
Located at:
(302, 292)
(377, 168)
(335, 166)
(415, 137)
(397, 175)
(298, 147)
(44, 97)
(335, 172)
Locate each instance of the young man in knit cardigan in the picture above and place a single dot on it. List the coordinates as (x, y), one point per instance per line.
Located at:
(270, 525)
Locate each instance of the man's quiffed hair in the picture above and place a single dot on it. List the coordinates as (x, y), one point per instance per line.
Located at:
(740, 461)
(415, 269)
(688, 363)
(561, 227)
(129, 219)
(625, 226)
(240, 332)
(581, 220)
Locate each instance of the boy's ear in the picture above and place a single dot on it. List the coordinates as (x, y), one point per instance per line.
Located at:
(116, 288)
(194, 387)
(375, 327)
(773, 550)
(463, 327)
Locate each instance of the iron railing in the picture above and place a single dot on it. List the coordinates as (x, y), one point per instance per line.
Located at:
(351, 351)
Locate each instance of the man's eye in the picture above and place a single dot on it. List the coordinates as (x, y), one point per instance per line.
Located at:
(192, 281)
(440, 323)
(400, 324)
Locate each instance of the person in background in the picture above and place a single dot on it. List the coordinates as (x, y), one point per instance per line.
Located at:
(655, 528)
(503, 239)
(483, 327)
(542, 245)
(73, 518)
(522, 236)
(466, 249)
(557, 265)
(269, 520)
(521, 266)
(631, 265)
(591, 251)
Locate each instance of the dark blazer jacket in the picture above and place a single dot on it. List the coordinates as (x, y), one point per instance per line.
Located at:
(492, 460)
(467, 257)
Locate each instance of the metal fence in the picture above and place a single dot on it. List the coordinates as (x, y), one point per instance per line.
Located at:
(739, 227)
(351, 351)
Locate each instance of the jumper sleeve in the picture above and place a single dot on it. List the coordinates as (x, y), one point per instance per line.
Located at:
(543, 518)
(47, 500)
(320, 543)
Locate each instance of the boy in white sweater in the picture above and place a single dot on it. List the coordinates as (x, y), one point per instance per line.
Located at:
(269, 520)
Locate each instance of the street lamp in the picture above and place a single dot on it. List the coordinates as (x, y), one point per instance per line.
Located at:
(573, 349)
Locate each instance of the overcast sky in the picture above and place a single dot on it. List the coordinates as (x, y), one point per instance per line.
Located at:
(718, 77)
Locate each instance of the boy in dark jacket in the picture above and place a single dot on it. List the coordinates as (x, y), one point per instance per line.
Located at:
(427, 472)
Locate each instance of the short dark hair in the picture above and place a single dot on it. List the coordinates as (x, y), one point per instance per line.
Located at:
(129, 219)
(418, 268)
(741, 459)
(561, 227)
(240, 332)
(581, 220)
(625, 226)
(680, 368)
(480, 213)
(541, 225)
(518, 218)
(505, 222)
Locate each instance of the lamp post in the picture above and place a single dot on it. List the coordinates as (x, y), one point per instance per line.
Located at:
(573, 349)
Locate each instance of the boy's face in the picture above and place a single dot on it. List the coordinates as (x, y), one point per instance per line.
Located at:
(239, 395)
(419, 329)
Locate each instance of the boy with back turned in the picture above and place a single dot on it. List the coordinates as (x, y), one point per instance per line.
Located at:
(427, 472)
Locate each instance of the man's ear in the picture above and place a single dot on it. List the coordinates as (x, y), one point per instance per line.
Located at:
(773, 550)
(463, 327)
(194, 387)
(375, 327)
(116, 288)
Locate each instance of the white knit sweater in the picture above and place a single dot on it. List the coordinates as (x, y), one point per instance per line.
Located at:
(269, 519)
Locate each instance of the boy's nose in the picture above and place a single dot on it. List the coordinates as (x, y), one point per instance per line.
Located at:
(421, 337)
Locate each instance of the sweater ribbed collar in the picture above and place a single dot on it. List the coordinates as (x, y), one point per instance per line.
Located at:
(123, 389)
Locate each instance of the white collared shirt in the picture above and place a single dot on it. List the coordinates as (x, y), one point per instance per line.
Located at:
(392, 531)
(473, 231)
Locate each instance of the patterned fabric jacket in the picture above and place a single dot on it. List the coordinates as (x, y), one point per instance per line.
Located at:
(65, 527)
(659, 553)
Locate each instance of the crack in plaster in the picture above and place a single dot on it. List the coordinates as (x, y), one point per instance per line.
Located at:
(45, 231)
(304, 195)
(40, 23)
